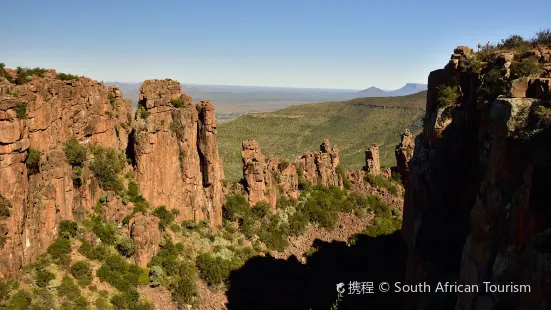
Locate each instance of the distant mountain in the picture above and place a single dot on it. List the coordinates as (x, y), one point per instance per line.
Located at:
(408, 89)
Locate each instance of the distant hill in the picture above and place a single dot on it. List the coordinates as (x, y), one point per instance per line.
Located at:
(351, 125)
(408, 89)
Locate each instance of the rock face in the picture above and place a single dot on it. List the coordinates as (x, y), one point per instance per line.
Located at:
(173, 150)
(51, 111)
(474, 206)
(267, 179)
(321, 167)
(531, 88)
(146, 236)
(404, 152)
(176, 157)
(372, 162)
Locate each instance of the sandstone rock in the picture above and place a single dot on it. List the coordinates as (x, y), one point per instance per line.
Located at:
(177, 162)
(372, 162)
(531, 88)
(146, 235)
(266, 179)
(321, 167)
(404, 153)
(463, 51)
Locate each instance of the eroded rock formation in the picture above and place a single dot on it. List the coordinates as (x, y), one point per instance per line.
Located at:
(475, 199)
(176, 157)
(146, 236)
(173, 150)
(404, 152)
(372, 161)
(268, 178)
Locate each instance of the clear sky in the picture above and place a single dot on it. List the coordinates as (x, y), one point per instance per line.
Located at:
(292, 43)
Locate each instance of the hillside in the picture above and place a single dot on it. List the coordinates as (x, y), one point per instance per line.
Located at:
(351, 125)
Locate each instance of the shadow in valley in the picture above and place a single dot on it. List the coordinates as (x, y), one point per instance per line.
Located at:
(269, 283)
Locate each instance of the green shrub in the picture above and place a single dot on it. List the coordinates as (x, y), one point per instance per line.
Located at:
(446, 95)
(91, 252)
(122, 275)
(236, 208)
(543, 37)
(543, 114)
(5, 206)
(178, 102)
(260, 209)
(105, 231)
(43, 277)
(513, 42)
(60, 247)
(184, 291)
(382, 226)
(155, 275)
(75, 152)
(82, 272)
(126, 247)
(133, 193)
(284, 202)
(304, 185)
(273, 235)
(380, 181)
(68, 229)
(297, 223)
(19, 301)
(214, 270)
(106, 165)
(4, 73)
(21, 110)
(68, 289)
(525, 67)
(24, 75)
(42, 299)
(494, 84)
(166, 217)
(143, 112)
(66, 77)
(33, 161)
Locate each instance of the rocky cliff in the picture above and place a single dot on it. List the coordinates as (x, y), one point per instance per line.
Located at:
(475, 205)
(268, 178)
(172, 146)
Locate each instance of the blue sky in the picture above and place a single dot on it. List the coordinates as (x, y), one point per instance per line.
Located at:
(299, 43)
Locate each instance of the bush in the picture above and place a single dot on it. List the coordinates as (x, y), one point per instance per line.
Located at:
(273, 235)
(60, 247)
(106, 165)
(5, 74)
(260, 210)
(236, 208)
(120, 274)
(68, 229)
(43, 277)
(68, 289)
(75, 152)
(20, 300)
(284, 202)
(297, 223)
(33, 161)
(214, 270)
(178, 102)
(82, 272)
(184, 291)
(166, 217)
(20, 110)
(89, 251)
(525, 67)
(380, 181)
(66, 77)
(143, 112)
(513, 42)
(106, 232)
(446, 95)
(493, 84)
(126, 247)
(133, 193)
(382, 226)
(543, 37)
(543, 114)
(24, 75)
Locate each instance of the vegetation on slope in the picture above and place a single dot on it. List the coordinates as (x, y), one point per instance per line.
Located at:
(350, 125)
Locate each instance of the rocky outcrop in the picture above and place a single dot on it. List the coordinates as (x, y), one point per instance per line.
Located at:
(404, 152)
(172, 144)
(176, 157)
(266, 179)
(42, 115)
(372, 161)
(321, 167)
(146, 236)
(474, 206)
(531, 88)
